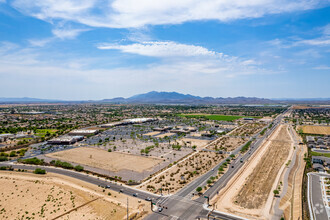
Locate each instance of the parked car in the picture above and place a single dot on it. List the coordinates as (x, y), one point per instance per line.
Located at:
(160, 209)
(135, 194)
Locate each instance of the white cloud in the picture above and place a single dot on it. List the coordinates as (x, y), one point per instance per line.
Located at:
(65, 33)
(160, 49)
(316, 42)
(39, 42)
(18, 66)
(182, 58)
(132, 13)
(323, 40)
(322, 67)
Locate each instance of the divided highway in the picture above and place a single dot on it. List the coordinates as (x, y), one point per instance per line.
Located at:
(180, 206)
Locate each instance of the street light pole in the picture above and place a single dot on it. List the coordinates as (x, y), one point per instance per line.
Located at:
(127, 208)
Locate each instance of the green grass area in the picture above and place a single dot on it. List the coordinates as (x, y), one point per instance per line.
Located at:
(217, 117)
(44, 132)
(320, 154)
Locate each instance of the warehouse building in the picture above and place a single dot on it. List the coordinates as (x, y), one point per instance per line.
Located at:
(65, 140)
(81, 132)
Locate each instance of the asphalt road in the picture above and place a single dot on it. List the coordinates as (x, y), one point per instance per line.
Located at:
(180, 206)
(315, 197)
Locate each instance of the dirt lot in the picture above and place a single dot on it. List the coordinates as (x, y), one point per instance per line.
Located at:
(310, 129)
(251, 188)
(113, 161)
(248, 129)
(227, 143)
(257, 187)
(178, 176)
(165, 135)
(151, 133)
(31, 196)
(192, 141)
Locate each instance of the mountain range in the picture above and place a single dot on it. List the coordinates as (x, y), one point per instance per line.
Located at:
(173, 98)
(178, 98)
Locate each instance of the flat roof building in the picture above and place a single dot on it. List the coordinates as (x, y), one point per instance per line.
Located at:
(82, 132)
(65, 140)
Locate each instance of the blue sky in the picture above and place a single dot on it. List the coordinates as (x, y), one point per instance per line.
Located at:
(95, 49)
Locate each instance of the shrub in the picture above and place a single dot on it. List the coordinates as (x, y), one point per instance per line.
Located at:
(3, 158)
(79, 168)
(33, 160)
(39, 171)
(64, 165)
(12, 154)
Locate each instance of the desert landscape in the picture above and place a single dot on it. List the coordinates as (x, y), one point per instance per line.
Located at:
(113, 161)
(250, 193)
(53, 196)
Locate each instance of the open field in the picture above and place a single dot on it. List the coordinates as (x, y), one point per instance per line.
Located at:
(214, 117)
(250, 191)
(31, 196)
(227, 143)
(258, 186)
(44, 132)
(199, 143)
(310, 129)
(180, 175)
(113, 161)
(248, 129)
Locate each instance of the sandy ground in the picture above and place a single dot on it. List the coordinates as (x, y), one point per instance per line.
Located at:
(227, 143)
(152, 133)
(248, 129)
(178, 176)
(192, 141)
(290, 203)
(310, 129)
(249, 193)
(165, 135)
(112, 161)
(31, 196)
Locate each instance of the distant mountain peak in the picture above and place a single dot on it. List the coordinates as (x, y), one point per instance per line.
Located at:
(155, 97)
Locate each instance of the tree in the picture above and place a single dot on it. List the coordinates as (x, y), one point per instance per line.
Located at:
(276, 192)
(79, 168)
(39, 171)
(199, 189)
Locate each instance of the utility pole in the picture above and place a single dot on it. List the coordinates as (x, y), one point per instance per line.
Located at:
(127, 208)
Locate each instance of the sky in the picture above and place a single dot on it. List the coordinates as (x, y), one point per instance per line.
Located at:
(97, 49)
